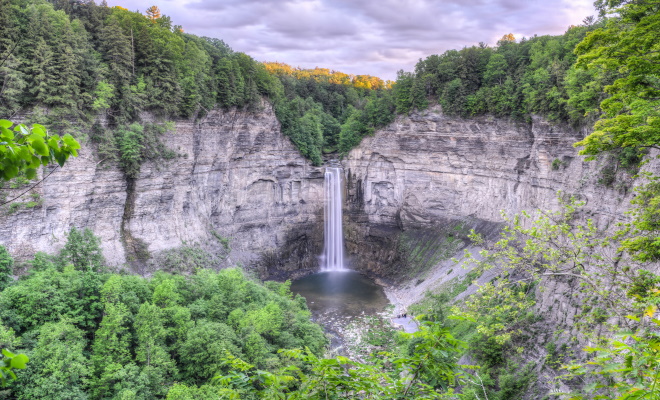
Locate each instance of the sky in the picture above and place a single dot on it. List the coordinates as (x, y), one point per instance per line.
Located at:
(372, 37)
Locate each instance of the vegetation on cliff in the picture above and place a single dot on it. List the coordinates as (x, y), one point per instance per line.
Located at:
(326, 111)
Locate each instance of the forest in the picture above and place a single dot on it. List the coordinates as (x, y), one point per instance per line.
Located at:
(91, 71)
(95, 70)
(71, 326)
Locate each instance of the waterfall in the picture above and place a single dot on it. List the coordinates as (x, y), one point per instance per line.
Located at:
(333, 249)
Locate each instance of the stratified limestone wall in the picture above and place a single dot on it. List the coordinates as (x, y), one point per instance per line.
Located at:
(236, 175)
(416, 186)
(428, 170)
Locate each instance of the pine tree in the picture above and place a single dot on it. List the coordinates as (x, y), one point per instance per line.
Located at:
(153, 13)
(118, 54)
(12, 86)
(40, 71)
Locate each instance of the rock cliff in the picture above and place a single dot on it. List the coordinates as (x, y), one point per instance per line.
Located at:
(430, 171)
(235, 177)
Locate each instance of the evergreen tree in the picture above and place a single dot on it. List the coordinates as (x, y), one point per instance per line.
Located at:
(118, 54)
(6, 268)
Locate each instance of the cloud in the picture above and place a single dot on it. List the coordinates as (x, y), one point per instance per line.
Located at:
(365, 36)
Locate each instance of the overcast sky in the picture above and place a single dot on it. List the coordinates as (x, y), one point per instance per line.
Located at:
(374, 37)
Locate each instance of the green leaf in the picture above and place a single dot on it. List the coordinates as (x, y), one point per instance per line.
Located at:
(24, 153)
(11, 171)
(39, 130)
(61, 157)
(5, 124)
(52, 143)
(35, 162)
(7, 134)
(40, 147)
(8, 353)
(70, 141)
(19, 361)
(30, 173)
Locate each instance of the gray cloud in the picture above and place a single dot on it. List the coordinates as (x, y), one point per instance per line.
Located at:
(364, 36)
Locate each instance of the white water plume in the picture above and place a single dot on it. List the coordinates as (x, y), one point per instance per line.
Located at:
(333, 249)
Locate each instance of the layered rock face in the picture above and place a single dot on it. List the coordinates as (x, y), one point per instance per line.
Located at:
(428, 170)
(235, 177)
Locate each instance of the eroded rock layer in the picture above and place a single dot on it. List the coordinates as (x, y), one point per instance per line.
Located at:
(235, 177)
(429, 171)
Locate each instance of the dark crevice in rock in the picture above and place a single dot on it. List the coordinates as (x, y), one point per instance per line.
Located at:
(136, 250)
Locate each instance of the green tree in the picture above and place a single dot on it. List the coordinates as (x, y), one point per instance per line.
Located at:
(83, 250)
(403, 92)
(496, 70)
(59, 369)
(158, 367)
(628, 44)
(111, 350)
(6, 268)
(48, 294)
(130, 142)
(203, 352)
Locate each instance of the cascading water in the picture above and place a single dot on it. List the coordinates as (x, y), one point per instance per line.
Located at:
(333, 250)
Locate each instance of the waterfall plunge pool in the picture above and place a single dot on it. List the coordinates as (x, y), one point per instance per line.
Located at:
(345, 293)
(338, 298)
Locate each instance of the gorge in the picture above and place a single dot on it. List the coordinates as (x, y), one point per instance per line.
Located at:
(424, 171)
(422, 182)
(211, 192)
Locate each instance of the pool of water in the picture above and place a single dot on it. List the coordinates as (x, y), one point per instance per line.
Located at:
(338, 297)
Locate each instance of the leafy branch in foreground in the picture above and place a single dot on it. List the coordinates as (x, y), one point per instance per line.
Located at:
(24, 149)
(642, 239)
(627, 45)
(544, 245)
(619, 299)
(626, 366)
(10, 362)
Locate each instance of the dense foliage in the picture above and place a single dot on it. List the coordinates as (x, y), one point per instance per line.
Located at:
(216, 335)
(92, 334)
(627, 44)
(326, 111)
(536, 75)
(87, 69)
